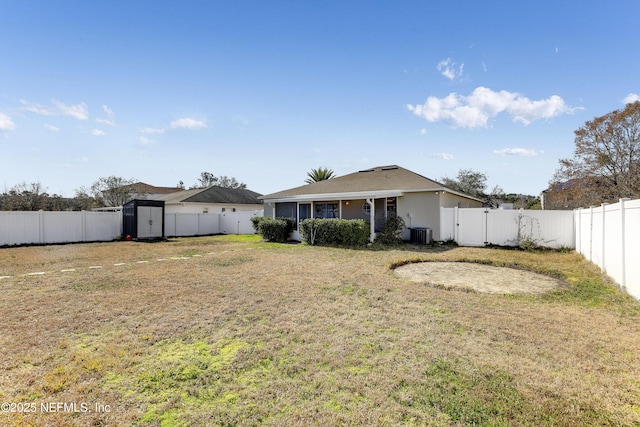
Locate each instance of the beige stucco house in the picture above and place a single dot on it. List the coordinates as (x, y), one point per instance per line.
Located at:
(372, 195)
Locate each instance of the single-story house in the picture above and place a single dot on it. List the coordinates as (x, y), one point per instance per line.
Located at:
(212, 199)
(372, 195)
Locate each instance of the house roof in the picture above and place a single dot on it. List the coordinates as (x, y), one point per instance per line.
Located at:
(213, 194)
(381, 181)
(141, 187)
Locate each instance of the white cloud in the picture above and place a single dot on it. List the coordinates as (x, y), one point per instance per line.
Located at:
(475, 110)
(517, 152)
(110, 120)
(443, 156)
(59, 108)
(98, 132)
(631, 98)
(450, 69)
(51, 128)
(423, 131)
(152, 130)
(6, 124)
(145, 141)
(187, 123)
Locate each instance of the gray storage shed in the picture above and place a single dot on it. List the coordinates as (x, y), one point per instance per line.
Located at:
(143, 219)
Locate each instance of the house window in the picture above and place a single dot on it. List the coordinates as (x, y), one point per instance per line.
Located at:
(233, 210)
(224, 209)
(304, 211)
(392, 206)
(287, 210)
(326, 210)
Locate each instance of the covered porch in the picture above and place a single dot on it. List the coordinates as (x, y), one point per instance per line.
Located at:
(373, 208)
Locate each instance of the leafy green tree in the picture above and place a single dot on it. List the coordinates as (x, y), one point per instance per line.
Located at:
(110, 191)
(25, 197)
(207, 179)
(469, 182)
(606, 162)
(319, 174)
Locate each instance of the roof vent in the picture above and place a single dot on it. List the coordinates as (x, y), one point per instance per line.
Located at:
(366, 170)
(390, 168)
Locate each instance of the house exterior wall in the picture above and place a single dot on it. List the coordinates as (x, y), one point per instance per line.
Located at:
(354, 210)
(449, 200)
(192, 207)
(420, 210)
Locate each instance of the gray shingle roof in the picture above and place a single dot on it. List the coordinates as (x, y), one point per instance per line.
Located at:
(213, 194)
(380, 178)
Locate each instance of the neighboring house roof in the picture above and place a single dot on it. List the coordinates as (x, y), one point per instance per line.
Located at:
(213, 194)
(378, 181)
(141, 187)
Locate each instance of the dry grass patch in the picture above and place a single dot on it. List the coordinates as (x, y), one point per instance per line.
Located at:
(234, 331)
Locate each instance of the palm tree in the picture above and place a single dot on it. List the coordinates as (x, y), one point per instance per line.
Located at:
(319, 174)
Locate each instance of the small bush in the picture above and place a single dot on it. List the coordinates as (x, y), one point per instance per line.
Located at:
(391, 233)
(335, 232)
(273, 229)
(255, 222)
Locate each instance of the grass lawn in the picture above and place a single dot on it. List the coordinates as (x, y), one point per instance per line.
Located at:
(229, 330)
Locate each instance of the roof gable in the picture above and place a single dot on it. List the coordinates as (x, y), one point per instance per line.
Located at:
(213, 194)
(380, 178)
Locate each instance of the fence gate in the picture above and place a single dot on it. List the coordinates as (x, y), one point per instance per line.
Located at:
(472, 227)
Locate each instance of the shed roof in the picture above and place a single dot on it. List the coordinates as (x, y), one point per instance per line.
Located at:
(213, 194)
(377, 179)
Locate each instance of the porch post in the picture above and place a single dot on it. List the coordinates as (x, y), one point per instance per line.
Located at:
(372, 218)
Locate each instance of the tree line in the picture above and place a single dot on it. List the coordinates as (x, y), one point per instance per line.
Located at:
(104, 192)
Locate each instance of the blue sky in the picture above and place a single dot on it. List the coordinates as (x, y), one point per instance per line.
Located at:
(264, 91)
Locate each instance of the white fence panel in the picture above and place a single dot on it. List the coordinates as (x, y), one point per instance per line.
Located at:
(632, 248)
(481, 226)
(102, 226)
(23, 228)
(607, 240)
(199, 224)
(62, 227)
(609, 236)
(553, 229)
(238, 222)
(208, 224)
(502, 226)
(17, 228)
(186, 224)
(448, 223)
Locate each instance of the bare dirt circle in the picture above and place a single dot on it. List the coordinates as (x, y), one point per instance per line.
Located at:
(478, 277)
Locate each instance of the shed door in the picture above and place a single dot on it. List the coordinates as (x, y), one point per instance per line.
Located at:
(149, 222)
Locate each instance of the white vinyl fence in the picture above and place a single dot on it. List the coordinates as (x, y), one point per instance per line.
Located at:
(44, 227)
(192, 224)
(609, 236)
(19, 228)
(483, 226)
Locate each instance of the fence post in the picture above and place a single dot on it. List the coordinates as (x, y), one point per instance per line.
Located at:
(456, 222)
(623, 244)
(41, 226)
(83, 224)
(604, 235)
(577, 226)
(591, 233)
